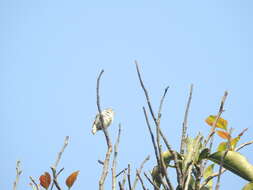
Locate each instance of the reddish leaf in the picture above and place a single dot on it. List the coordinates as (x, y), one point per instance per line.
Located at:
(71, 179)
(223, 134)
(45, 180)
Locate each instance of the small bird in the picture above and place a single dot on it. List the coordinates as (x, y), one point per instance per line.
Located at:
(108, 115)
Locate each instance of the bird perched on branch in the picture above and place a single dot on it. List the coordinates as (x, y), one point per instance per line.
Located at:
(108, 115)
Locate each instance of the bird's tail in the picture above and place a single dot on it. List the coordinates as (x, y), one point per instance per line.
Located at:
(94, 129)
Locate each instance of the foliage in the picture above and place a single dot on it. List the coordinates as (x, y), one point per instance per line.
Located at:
(196, 163)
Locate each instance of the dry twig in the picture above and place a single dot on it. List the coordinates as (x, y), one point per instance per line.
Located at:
(150, 181)
(108, 141)
(18, 173)
(129, 177)
(114, 163)
(66, 141)
(58, 158)
(139, 170)
(35, 184)
(158, 130)
(184, 128)
(139, 176)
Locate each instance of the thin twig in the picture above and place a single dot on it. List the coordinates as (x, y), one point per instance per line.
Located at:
(66, 141)
(114, 163)
(18, 173)
(158, 133)
(184, 128)
(35, 184)
(210, 136)
(158, 130)
(243, 145)
(139, 176)
(59, 172)
(122, 171)
(150, 181)
(139, 170)
(55, 178)
(101, 162)
(146, 92)
(108, 141)
(222, 160)
(217, 117)
(124, 177)
(121, 186)
(211, 177)
(129, 177)
(58, 158)
(152, 135)
(161, 104)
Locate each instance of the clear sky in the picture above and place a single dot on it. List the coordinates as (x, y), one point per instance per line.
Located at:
(52, 51)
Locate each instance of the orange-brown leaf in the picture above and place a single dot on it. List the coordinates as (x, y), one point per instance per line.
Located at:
(71, 179)
(221, 123)
(223, 134)
(45, 180)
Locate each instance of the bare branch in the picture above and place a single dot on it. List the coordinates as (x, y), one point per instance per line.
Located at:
(243, 145)
(66, 141)
(184, 128)
(114, 163)
(55, 178)
(122, 171)
(59, 172)
(211, 177)
(139, 170)
(108, 141)
(161, 104)
(146, 92)
(152, 136)
(35, 184)
(129, 177)
(139, 176)
(221, 110)
(18, 173)
(101, 162)
(150, 181)
(210, 136)
(158, 130)
(121, 187)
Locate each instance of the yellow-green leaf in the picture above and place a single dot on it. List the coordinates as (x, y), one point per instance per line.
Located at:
(222, 146)
(208, 172)
(221, 123)
(234, 142)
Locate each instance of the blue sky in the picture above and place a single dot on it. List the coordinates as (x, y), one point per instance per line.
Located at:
(52, 51)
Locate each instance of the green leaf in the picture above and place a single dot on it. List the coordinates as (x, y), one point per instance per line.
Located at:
(235, 162)
(193, 148)
(208, 172)
(222, 146)
(248, 186)
(234, 142)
